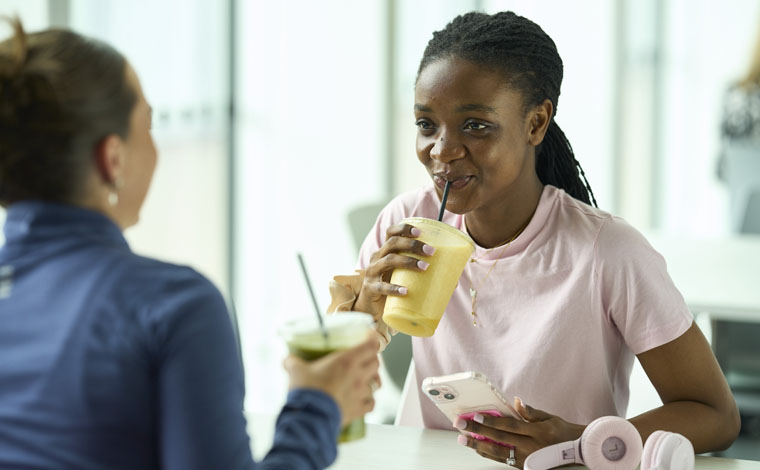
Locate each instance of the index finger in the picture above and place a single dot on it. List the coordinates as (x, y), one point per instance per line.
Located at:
(506, 423)
(402, 230)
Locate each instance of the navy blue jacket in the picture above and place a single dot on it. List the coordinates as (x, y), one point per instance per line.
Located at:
(113, 360)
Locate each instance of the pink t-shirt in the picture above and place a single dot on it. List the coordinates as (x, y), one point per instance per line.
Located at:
(561, 315)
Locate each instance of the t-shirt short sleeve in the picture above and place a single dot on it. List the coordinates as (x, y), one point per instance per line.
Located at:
(637, 294)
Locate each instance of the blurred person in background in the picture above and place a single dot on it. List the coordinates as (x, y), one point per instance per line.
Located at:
(739, 159)
(741, 109)
(735, 342)
(109, 359)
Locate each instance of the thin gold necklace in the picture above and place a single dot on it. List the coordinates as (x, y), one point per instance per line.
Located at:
(473, 287)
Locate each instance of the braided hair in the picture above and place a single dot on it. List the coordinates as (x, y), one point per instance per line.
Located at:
(528, 59)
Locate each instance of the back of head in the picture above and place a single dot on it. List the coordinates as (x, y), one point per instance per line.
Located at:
(527, 58)
(60, 95)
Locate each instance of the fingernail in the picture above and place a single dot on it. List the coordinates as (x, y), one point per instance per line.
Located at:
(459, 423)
(519, 400)
(478, 418)
(416, 232)
(422, 265)
(403, 290)
(428, 249)
(462, 440)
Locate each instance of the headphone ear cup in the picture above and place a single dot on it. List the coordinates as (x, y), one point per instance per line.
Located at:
(667, 451)
(610, 443)
(648, 454)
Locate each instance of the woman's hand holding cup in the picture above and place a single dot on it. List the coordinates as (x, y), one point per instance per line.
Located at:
(399, 238)
(349, 376)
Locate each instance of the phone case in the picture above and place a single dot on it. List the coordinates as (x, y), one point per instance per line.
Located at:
(466, 393)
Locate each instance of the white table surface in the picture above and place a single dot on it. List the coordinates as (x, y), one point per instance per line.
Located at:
(720, 276)
(389, 447)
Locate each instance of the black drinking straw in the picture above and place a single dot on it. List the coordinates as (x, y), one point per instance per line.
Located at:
(313, 297)
(443, 200)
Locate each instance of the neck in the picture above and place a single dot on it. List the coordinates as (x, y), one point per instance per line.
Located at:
(491, 226)
(98, 201)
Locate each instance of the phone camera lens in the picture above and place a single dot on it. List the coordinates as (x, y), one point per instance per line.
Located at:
(434, 392)
(449, 396)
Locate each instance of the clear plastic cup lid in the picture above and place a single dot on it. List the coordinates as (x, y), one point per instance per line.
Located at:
(343, 329)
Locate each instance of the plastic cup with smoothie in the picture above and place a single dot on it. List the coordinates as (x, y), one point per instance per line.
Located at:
(420, 310)
(345, 330)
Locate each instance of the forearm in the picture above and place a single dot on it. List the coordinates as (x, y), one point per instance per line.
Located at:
(698, 401)
(708, 428)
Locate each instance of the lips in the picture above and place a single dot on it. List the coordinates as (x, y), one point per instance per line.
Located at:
(457, 182)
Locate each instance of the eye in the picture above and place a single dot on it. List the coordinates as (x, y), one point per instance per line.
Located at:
(424, 125)
(475, 126)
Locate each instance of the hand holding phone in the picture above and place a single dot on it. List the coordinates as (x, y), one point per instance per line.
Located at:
(464, 394)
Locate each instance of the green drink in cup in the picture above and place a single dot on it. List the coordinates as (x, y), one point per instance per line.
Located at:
(305, 339)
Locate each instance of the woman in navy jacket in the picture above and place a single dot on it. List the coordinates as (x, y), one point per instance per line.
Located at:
(109, 359)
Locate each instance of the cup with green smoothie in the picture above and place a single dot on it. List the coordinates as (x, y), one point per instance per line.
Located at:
(305, 339)
(419, 311)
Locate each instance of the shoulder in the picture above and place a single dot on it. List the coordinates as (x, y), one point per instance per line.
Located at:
(576, 216)
(420, 202)
(739, 92)
(159, 287)
(609, 235)
(619, 239)
(161, 274)
(417, 201)
(619, 247)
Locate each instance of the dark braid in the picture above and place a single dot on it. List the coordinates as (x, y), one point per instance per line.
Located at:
(528, 59)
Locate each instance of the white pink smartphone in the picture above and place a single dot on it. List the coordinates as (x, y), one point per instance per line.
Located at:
(466, 393)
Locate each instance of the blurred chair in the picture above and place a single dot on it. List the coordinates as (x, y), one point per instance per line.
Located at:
(361, 219)
(398, 354)
(736, 344)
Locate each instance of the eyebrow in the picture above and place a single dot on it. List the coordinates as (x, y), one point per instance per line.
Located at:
(476, 107)
(461, 109)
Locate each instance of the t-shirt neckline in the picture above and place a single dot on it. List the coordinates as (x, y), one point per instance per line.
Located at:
(537, 222)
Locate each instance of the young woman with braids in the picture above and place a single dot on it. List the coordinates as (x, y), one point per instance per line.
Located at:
(567, 294)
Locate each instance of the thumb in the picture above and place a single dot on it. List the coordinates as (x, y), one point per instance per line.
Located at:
(529, 413)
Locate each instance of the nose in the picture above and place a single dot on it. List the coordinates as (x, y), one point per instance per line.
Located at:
(447, 148)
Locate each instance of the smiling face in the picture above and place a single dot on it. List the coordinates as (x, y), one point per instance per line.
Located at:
(474, 131)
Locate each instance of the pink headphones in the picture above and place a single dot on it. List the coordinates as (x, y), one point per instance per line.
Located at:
(612, 443)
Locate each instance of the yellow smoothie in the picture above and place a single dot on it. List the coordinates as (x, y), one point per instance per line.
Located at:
(345, 330)
(420, 310)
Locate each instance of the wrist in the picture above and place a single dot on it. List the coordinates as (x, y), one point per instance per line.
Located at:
(576, 431)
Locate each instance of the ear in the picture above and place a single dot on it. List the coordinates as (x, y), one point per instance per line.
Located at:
(539, 119)
(109, 159)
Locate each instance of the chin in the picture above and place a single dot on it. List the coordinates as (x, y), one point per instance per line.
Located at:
(455, 208)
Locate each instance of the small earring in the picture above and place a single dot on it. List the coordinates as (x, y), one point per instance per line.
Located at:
(113, 197)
